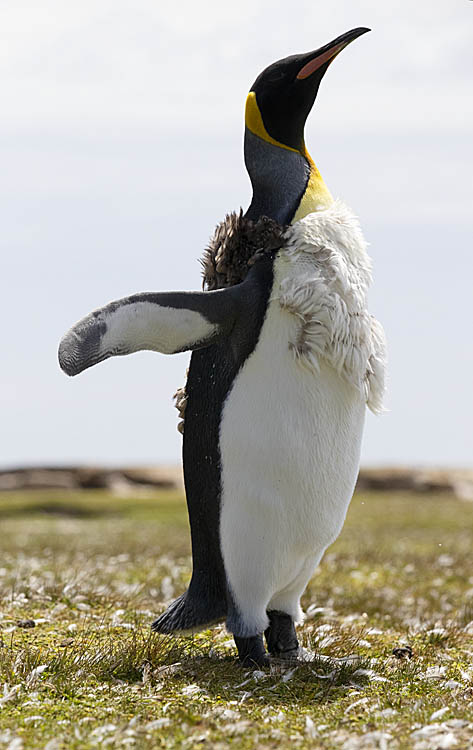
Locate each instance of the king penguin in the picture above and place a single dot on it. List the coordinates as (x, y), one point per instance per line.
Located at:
(285, 358)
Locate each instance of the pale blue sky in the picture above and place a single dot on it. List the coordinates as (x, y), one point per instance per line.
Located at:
(121, 138)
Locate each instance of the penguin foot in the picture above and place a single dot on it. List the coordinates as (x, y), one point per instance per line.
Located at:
(281, 637)
(251, 651)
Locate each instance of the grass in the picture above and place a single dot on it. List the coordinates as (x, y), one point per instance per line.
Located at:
(91, 571)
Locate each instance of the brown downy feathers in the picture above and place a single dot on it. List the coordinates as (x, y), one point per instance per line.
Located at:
(233, 249)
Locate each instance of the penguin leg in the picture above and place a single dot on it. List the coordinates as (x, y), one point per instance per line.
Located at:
(251, 651)
(281, 637)
(284, 609)
(167, 322)
(248, 636)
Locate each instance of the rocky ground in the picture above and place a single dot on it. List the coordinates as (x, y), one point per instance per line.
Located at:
(122, 480)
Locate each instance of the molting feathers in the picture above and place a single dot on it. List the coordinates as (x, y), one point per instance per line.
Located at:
(324, 283)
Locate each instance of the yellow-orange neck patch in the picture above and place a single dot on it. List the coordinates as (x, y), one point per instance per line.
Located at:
(316, 196)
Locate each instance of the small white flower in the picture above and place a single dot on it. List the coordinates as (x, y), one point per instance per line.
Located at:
(438, 714)
(191, 690)
(310, 729)
(157, 724)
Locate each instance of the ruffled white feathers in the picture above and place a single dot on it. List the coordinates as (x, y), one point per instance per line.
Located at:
(324, 284)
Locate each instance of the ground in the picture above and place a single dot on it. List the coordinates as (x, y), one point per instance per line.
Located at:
(389, 620)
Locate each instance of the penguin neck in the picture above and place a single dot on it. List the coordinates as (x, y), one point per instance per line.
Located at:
(286, 183)
(316, 195)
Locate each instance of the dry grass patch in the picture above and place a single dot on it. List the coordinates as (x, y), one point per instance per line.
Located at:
(90, 572)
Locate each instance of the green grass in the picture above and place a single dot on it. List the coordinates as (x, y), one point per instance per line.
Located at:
(93, 570)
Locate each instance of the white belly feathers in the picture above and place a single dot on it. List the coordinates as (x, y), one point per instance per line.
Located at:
(291, 427)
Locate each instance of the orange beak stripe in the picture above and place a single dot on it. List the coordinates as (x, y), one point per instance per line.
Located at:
(317, 62)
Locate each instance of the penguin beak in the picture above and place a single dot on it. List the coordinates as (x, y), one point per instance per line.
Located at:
(325, 55)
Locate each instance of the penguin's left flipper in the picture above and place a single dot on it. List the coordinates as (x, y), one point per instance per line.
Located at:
(167, 322)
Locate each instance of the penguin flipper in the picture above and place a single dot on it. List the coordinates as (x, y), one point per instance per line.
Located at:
(167, 322)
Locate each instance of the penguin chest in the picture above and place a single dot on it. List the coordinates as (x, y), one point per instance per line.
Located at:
(290, 440)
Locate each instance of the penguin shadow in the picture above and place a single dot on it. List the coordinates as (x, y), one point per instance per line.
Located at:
(216, 672)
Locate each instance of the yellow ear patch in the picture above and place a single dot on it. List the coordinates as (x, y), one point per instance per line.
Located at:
(254, 122)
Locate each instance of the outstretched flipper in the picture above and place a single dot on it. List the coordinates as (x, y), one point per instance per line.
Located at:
(167, 322)
(222, 327)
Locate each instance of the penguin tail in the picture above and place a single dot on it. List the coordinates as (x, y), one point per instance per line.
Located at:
(187, 614)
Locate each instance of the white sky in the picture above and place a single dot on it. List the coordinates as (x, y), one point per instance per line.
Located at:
(121, 140)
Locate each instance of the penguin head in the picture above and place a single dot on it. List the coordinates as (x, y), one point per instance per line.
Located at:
(280, 168)
(283, 94)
